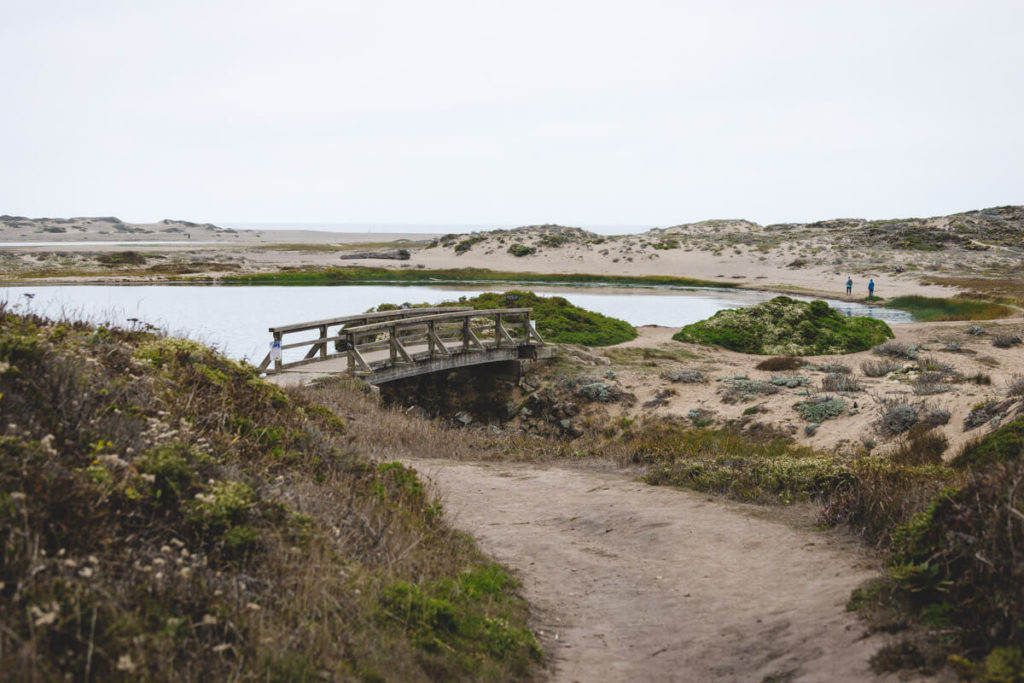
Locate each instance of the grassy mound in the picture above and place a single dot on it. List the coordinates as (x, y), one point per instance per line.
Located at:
(558, 321)
(784, 326)
(167, 515)
(561, 322)
(929, 309)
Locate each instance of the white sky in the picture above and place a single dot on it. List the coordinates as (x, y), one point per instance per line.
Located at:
(590, 112)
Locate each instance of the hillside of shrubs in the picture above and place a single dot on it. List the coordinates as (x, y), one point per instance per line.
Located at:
(167, 515)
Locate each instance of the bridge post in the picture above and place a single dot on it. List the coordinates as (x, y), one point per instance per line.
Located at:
(323, 344)
(280, 357)
(392, 337)
(465, 334)
(430, 338)
(497, 330)
(350, 352)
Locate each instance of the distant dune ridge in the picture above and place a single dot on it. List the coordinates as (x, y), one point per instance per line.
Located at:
(105, 228)
(904, 257)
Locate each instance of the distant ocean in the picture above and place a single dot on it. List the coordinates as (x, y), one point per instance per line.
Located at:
(420, 227)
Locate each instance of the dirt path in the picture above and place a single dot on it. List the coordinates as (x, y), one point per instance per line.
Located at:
(634, 582)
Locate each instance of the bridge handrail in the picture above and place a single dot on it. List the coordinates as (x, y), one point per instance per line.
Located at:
(398, 313)
(421, 320)
(395, 322)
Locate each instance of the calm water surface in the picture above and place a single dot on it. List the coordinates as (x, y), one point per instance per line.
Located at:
(235, 319)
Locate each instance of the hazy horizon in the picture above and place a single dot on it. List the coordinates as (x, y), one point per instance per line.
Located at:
(466, 113)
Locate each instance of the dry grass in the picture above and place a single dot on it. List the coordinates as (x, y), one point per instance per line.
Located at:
(1007, 290)
(835, 382)
(878, 368)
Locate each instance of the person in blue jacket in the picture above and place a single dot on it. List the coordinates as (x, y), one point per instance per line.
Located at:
(849, 285)
(871, 287)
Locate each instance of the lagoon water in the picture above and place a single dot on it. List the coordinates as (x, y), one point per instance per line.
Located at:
(234, 319)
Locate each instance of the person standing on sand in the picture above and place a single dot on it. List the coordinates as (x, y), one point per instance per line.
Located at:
(871, 287)
(849, 285)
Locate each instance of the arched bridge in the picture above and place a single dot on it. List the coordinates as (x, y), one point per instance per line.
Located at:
(390, 345)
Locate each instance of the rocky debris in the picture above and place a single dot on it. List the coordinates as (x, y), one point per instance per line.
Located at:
(392, 254)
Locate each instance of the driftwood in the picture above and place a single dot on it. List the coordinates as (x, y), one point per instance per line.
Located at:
(395, 254)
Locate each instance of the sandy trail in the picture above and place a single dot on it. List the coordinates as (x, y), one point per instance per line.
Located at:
(634, 582)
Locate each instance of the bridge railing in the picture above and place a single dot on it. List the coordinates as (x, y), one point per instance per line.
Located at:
(438, 335)
(374, 340)
(319, 346)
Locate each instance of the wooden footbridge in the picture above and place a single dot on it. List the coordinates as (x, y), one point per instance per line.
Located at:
(390, 345)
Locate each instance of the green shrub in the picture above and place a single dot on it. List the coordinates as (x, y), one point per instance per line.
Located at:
(817, 409)
(964, 551)
(518, 249)
(467, 244)
(1005, 443)
(784, 326)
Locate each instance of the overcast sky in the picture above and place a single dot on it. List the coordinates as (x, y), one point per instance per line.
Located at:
(590, 112)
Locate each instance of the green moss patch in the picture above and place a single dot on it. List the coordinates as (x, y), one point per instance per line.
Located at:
(785, 326)
(928, 309)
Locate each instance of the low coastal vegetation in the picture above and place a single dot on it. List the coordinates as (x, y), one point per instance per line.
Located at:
(953, 533)
(929, 309)
(360, 275)
(165, 514)
(785, 326)
(557, 320)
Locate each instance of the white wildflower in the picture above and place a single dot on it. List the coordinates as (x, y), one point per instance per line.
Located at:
(125, 663)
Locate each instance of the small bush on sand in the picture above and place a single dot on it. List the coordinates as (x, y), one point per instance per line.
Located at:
(835, 382)
(1005, 340)
(817, 409)
(790, 381)
(878, 368)
(984, 412)
(780, 363)
(896, 416)
(688, 376)
(928, 383)
(518, 249)
(1015, 387)
(895, 349)
(743, 389)
(784, 326)
(833, 368)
